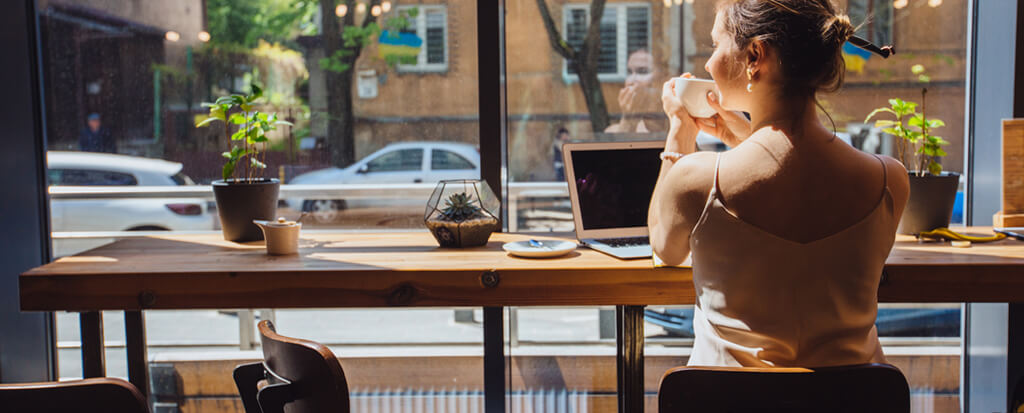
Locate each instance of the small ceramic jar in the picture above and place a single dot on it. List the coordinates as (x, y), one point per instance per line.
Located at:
(282, 236)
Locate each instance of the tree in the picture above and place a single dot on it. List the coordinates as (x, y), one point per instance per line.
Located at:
(244, 23)
(342, 46)
(583, 60)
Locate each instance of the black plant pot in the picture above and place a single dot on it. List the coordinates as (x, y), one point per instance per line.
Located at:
(931, 203)
(239, 202)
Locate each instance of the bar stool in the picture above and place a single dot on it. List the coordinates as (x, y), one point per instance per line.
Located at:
(95, 395)
(877, 388)
(301, 373)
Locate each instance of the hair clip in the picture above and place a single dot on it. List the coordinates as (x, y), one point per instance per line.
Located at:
(884, 51)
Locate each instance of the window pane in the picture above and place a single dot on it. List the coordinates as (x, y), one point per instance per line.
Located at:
(636, 29)
(356, 122)
(656, 42)
(442, 159)
(86, 177)
(435, 37)
(403, 160)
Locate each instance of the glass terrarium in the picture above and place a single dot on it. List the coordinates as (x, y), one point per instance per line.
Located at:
(462, 213)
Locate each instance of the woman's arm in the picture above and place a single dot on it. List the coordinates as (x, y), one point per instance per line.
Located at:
(670, 216)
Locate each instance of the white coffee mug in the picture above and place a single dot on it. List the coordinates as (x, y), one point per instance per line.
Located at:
(694, 95)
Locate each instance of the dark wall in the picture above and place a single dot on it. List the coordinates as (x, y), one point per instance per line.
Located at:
(26, 339)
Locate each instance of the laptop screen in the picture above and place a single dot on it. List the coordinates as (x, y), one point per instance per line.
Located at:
(615, 186)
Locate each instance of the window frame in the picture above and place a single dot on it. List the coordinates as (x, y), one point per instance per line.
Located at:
(421, 65)
(621, 38)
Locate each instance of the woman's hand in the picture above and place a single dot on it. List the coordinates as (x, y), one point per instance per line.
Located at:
(729, 126)
(683, 128)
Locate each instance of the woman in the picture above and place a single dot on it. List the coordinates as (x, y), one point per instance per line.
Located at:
(638, 89)
(789, 230)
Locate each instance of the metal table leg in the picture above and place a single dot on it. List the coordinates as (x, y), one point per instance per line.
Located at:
(91, 330)
(494, 360)
(629, 357)
(135, 344)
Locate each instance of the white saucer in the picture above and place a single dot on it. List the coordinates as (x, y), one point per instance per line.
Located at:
(548, 248)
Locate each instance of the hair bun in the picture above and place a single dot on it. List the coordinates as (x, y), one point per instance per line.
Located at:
(838, 29)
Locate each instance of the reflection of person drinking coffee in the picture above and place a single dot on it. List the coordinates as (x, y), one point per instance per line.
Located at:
(638, 95)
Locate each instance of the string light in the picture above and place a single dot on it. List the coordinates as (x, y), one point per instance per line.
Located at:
(203, 36)
(361, 8)
(689, 1)
(341, 10)
(899, 4)
(385, 6)
(172, 36)
(935, 3)
(678, 2)
(375, 11)
(668, 3)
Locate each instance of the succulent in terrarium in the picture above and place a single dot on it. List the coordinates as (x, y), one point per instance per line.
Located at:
(460, 207)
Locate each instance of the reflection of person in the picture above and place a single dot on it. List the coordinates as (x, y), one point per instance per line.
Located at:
(561, 138)
(95, 138)
(637, 94)
(790, 229)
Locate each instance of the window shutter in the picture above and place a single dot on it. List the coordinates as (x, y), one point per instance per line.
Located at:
(435, 39)
(637, 30)
(608, 58)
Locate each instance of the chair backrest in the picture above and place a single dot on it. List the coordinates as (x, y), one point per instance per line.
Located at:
(879, 388)
(301, 376)
(96, 395)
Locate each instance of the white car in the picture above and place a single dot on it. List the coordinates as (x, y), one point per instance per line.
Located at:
(127, 214)
(405, 162)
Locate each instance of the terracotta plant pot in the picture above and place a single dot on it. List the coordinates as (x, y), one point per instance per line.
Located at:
(931, 203)
(240, 202)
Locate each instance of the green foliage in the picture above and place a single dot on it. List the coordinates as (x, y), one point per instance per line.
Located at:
(253, 125)
(355, 38)
(460, 207)
(926, 148)
(246, 22)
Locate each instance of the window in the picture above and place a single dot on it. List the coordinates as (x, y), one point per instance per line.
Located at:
(441, 159)
(431, 25)
(86, 177)
(625, 28)
(873, 19)
(400, 160)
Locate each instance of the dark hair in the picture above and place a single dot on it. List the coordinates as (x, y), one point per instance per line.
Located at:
(808, 35)
(561, 131)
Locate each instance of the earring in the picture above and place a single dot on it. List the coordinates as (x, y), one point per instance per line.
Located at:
(750, 79)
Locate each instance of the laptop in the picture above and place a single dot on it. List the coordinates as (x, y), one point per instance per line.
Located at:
(610, 186)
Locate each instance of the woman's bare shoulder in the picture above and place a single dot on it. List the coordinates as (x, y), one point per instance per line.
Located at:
(691, 177)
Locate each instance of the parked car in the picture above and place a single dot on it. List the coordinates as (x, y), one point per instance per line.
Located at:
(128, 214)
(405, 162)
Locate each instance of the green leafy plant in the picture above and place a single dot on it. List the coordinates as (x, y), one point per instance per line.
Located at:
(925, 149)
(460, 207)
(253, 125)
(361, 36)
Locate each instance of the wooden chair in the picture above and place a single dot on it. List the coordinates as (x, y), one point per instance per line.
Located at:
(97, 395)
(302, 374)
(879, 388)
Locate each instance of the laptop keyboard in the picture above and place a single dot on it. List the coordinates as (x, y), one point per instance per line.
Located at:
(625, 242)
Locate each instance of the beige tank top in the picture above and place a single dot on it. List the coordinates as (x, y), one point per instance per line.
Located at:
(775, 302)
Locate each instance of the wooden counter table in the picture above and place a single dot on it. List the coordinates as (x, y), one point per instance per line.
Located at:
(409, 270)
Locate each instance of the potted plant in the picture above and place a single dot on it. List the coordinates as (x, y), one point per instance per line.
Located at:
(244, 194)
(467, 217)
(932, 191)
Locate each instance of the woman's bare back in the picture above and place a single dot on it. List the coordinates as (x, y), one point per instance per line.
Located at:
(807, 191)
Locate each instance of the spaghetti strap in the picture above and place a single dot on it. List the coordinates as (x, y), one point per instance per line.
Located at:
(711, 197)
(885, 172)
(714, 182)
